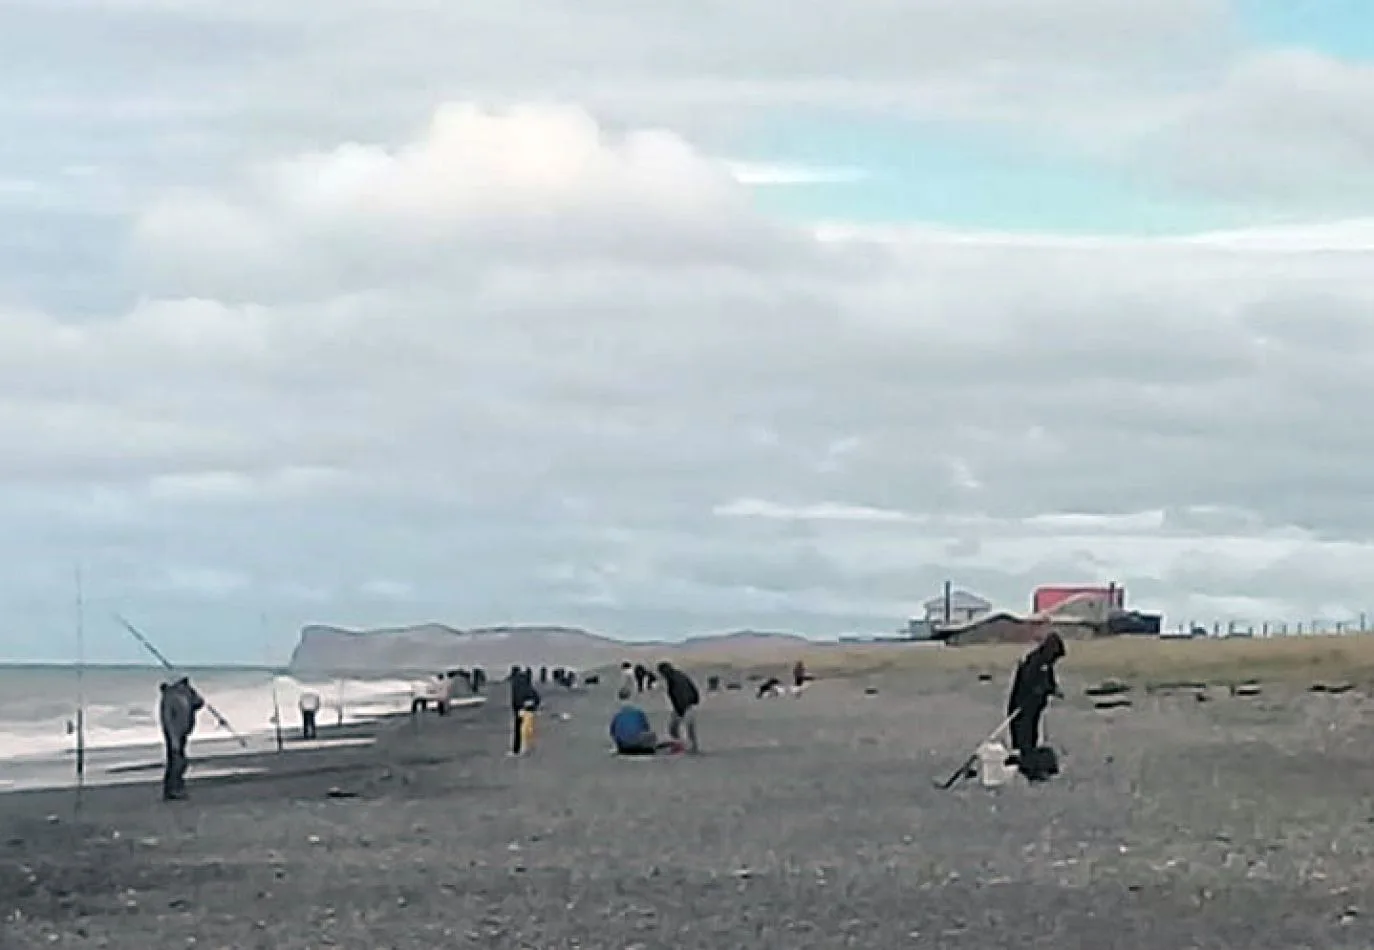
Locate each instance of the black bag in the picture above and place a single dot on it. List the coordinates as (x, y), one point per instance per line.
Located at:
(1039, 764)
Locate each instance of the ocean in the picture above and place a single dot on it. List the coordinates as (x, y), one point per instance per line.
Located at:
(38, 706)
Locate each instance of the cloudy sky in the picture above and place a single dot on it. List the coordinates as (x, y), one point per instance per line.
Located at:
(675, 317)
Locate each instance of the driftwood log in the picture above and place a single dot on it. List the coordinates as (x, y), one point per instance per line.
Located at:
(1334, 689)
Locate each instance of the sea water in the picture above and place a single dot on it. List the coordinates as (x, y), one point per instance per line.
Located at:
(38, 713)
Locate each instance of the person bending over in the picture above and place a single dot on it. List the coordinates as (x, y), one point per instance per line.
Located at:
(683, 699)
(1032, 685)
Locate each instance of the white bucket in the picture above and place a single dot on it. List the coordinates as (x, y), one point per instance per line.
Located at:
(992, 764)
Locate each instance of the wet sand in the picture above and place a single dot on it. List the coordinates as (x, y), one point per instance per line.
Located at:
(808, 822)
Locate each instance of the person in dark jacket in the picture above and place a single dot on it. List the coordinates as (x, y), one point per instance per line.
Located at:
(683, 699)
(1032, 685)
(522, 695)
(177, 711)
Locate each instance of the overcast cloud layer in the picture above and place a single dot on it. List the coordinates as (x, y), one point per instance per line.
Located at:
(383, 313)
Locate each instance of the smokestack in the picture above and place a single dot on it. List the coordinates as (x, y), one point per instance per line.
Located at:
(949, 601)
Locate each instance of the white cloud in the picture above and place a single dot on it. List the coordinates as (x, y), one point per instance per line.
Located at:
(580, 354)
(1287, 129)
(823, 511)
(267, 307)
(756, 173)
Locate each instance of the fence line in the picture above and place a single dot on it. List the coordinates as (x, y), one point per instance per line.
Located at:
(1271, 628)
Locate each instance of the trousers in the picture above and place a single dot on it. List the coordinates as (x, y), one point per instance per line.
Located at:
(688, 719)
(174, 772)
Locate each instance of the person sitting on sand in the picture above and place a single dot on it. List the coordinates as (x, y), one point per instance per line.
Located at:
(683, 698)
(632, 733)
(631, 730)
(177, 711)
(310, 708)
(1032, 685)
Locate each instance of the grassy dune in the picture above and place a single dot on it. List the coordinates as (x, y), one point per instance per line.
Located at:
(1139, 660)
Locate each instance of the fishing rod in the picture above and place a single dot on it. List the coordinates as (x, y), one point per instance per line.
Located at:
(157, 655)
(276, 702)
(80, 690)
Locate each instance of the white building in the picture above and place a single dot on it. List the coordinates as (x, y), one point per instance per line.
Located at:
(963, 607)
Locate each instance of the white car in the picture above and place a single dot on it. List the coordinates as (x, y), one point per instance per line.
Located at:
(437, 691)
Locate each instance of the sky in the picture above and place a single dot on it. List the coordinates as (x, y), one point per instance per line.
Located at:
(670, 318)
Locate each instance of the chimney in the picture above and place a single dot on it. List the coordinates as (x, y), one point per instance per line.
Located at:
(949, 602)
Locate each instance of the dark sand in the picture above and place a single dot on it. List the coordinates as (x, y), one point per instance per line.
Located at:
(810, 822)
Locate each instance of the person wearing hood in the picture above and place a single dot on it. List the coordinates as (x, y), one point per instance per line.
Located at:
(1032, 685)
(177, 712)
(683, 699)
(523, 697)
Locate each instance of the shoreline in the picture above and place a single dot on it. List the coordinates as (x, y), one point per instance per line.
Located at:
(141, 763)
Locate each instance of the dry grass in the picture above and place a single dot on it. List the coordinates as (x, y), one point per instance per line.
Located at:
(1140, 660)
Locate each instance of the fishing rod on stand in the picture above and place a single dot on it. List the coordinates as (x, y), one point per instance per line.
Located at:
(167, 664)
(80, 691)
(276, 700)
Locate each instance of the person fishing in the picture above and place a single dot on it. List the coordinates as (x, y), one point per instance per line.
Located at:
(310, 709)
(1032, 685)
(177, 710)
(683, 698)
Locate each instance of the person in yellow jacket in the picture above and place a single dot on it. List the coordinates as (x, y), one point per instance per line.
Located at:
(526, 728)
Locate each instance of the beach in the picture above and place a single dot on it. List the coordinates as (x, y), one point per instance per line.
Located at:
(1243, 822)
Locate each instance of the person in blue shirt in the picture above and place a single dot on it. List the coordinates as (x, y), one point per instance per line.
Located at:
(630, 729)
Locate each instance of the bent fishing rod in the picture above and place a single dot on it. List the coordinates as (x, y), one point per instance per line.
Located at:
(157, 655)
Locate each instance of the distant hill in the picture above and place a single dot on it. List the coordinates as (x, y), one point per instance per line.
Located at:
(429, 647)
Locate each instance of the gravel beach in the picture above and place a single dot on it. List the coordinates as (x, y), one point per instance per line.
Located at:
(806, 822)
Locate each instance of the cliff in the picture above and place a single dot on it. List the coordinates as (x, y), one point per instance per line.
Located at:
(430, 647)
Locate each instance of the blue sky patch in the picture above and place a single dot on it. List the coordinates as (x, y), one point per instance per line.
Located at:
(964, 177)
